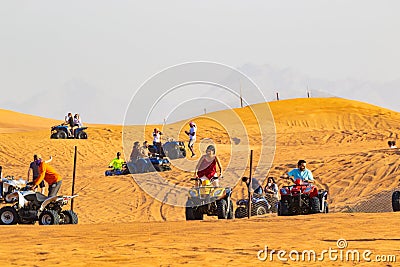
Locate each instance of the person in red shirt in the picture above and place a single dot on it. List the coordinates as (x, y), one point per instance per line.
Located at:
(48, 174)
(207, 166)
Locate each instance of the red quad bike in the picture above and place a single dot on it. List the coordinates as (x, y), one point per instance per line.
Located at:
(302, 198)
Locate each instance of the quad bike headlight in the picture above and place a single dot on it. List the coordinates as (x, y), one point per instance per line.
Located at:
(218, 192)
(193, 193)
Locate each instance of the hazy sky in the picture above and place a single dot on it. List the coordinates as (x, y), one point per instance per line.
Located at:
(91, 56)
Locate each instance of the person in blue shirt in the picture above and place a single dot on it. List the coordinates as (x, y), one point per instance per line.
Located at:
(301, 172)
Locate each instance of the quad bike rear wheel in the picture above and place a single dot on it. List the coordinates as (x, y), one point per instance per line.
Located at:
(82, 135)
(49, 217)
(69, 217)
(396, 201)
(8, 216)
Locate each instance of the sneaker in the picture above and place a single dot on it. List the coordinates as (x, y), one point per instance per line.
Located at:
(193, 155)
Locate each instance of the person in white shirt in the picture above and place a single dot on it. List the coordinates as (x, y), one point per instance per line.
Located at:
(157, 141)
(192, 136)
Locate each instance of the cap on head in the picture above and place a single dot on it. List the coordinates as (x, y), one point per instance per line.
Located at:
(192, 123)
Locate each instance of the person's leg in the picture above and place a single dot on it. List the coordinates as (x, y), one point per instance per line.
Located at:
(190, 145)
(42, 186)
(53, 188)
(215, 182)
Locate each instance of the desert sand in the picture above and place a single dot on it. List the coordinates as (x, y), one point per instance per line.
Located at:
(343, 141)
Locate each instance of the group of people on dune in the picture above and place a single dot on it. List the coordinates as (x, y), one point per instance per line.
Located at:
(208, 166)
(139, 158)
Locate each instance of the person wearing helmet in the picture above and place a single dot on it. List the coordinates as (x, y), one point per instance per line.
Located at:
(48, 174)
(301, 172)
(206, 168)
(192, 136)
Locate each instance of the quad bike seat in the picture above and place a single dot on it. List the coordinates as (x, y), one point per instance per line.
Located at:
(37, 198)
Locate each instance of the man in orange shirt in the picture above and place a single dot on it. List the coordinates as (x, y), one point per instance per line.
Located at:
(47, 173)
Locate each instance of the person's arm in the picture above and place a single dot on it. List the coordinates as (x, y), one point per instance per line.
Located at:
(219, 165)
(310, 177)
(290, 175)
(198, 165)
(111, 164)
(29, 173)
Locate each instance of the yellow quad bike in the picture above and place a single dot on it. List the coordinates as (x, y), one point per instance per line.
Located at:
(210, 200)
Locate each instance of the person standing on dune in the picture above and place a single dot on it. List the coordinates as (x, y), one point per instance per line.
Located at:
(192, 136)
(48, 174)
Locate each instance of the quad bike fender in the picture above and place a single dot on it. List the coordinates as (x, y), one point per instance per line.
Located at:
(16, 196)
(47, 201)
(313, 192)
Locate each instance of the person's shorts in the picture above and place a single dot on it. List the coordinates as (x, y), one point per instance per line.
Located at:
(191, 142)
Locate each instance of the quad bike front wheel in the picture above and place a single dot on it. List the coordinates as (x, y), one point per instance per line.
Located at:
(69, 217)
(259, 210)
(8, 216)
(49, 217)
(283, 208)
(61, 135)
(222, 209)
(396, 201)
(191, 213)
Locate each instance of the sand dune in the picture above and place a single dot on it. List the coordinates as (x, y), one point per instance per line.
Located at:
(343, 141)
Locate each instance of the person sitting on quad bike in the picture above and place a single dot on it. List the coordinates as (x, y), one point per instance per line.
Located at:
(206, 168)
(255, 185)
(69, 121)
(301, 172)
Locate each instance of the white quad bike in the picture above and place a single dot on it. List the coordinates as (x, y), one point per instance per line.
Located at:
(30, 206)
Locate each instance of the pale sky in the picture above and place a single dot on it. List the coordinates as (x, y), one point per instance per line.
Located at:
(91, 56)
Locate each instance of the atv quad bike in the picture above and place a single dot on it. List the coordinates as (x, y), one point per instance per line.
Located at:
(174, 149)
(62, 132)
(112, 172)
(30, 206)
(210, 200)
(160, 164)
(396, 201)
(302, 198)
(259, 206)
